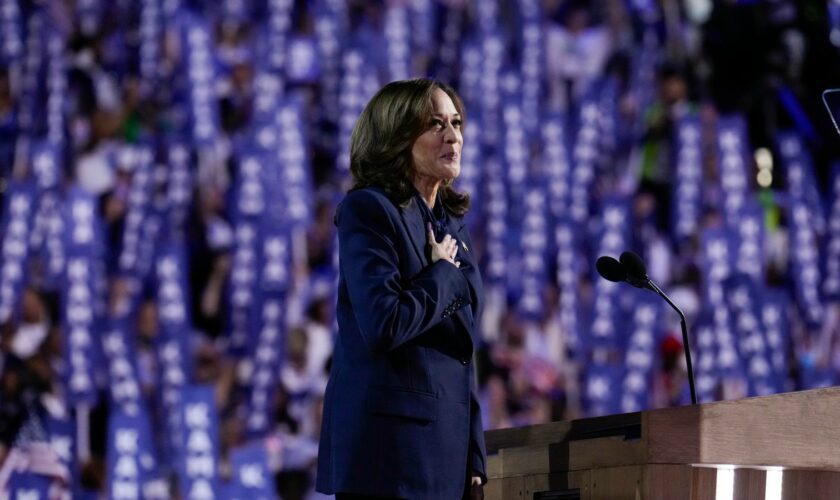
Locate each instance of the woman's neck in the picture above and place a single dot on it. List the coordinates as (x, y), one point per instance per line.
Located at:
(428, 188)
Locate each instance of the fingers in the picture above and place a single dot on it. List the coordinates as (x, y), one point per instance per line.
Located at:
(446, 249)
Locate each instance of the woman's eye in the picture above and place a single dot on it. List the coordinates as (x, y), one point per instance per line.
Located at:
(456, 123)
(437, 124)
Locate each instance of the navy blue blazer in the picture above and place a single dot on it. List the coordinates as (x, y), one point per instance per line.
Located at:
(401, 415)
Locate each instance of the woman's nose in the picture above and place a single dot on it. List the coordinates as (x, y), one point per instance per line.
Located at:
(451, 135)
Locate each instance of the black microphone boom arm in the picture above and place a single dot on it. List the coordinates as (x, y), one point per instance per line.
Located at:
(686, 346)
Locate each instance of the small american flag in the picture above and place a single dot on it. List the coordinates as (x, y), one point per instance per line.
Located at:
(31, 453)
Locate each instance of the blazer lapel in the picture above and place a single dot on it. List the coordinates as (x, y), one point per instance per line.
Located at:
(413, 220)
(464, 252)
(468, 315)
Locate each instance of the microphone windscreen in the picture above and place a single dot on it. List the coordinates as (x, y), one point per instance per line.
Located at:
(633, 265)
(610, 269)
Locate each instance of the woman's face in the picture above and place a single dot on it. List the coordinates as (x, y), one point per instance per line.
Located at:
(437, 153)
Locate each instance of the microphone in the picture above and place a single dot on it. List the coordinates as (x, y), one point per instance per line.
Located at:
(610, 269)
(632, 269)
(636, 271)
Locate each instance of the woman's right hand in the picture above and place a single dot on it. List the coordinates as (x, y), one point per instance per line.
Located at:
(446, 249)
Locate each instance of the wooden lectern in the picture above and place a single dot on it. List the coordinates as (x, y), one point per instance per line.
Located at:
(677, 453)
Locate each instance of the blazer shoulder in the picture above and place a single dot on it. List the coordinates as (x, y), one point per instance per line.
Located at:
(368, 202)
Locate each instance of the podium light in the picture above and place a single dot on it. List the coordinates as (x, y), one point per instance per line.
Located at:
(725, 484)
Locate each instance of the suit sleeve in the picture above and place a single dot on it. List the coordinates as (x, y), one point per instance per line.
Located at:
(390, 309)
(478, 452)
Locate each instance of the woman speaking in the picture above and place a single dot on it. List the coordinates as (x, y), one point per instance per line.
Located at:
(401, 415)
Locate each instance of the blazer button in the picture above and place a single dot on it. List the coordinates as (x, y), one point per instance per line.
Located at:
(465, 361)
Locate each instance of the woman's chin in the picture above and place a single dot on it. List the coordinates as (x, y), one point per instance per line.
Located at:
(450, 172)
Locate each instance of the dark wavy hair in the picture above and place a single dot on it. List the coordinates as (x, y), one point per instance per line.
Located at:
(380, 147)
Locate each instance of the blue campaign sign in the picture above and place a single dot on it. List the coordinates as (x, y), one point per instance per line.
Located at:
(62, 439)
(82, 226)
(302, 63)
(279, 26)
(831, 254)
(608, 125)
(641, 354)
(471, 76)
(268, 340)
(249, 191)
(275, 256)
(745, 321)
(268, 85)
(243, 282)
(398, 38)
(805, 264)
(472, 170)
(201, 72)
(250, 478)
(644, 333)
(423, 29)
(56, 101)
(354, 93)
(602, 389)
(687, 204)
(534, 245)
(173, 343)
(705, 355)
(130, 455)
(11, 39)
(531, 68)
(775, 307)
(749, 241)
(612, 240)
(515, 147)
(89, 14)
(18, 213)
(733, 150)
(496, 208)
(139, 201)
(815, 377)
(46, 164)
(555, 163)
(567, 280)
(451, 56)
(173, 292)
(47, 236)
(716, 262)
(124, 384)
(29, 486)
(31, 112)
(198, 470)
(296, 194)
(801, 180)
(584, 154)
(331, 26)
(179, 191)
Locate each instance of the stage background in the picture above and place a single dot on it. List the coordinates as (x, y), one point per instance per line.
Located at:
(170, 170)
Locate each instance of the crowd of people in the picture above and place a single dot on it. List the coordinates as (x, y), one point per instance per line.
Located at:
(578, 119)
